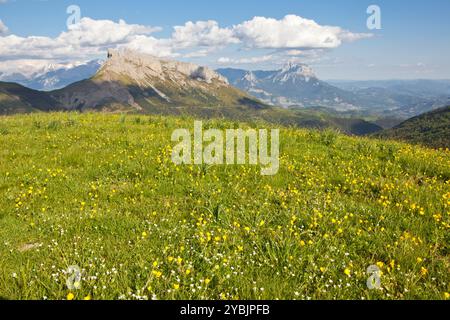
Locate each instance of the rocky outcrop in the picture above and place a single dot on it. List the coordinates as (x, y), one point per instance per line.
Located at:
(140, 66)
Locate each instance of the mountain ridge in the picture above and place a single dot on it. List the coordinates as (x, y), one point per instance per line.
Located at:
(372, 99)
(130, 82)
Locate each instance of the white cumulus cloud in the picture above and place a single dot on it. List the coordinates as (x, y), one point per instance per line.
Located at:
(89, 32)
(88, 37)
(291, 32)
(146, 44)
(202, 34)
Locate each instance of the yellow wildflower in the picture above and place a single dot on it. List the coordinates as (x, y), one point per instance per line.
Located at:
(157, 274)
(392, 264)
(348, 272)
(423, 271)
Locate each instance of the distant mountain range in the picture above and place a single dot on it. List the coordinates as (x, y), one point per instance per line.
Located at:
(54, 76)
(430, 129)
(129, 81)
(296, 86)
(419, 88)
(402, 98)
(132, 82)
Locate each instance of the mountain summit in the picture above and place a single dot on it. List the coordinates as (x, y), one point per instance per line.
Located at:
(295, 84)
(295, 72)
(140, 67)
(132, 81)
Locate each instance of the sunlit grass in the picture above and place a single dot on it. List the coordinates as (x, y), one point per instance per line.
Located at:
(100, 191)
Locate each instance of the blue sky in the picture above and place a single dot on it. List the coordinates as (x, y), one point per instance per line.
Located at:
(414, 41)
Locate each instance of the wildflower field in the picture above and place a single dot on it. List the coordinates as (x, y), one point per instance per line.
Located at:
(100, 192)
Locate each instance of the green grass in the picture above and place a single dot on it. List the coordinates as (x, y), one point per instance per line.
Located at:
(100, 191)
(431, 129)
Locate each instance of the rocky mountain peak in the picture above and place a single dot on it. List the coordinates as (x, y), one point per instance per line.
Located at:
(139, 66)
(292, 71)
(249, 80)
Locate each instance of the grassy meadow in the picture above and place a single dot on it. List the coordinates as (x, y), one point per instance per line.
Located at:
(101, 192)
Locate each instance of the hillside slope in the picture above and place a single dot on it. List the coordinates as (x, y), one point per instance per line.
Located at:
(431, 129)
(15, 98)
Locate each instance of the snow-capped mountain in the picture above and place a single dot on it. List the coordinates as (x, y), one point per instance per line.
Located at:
(54, 76)
(293, 85)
